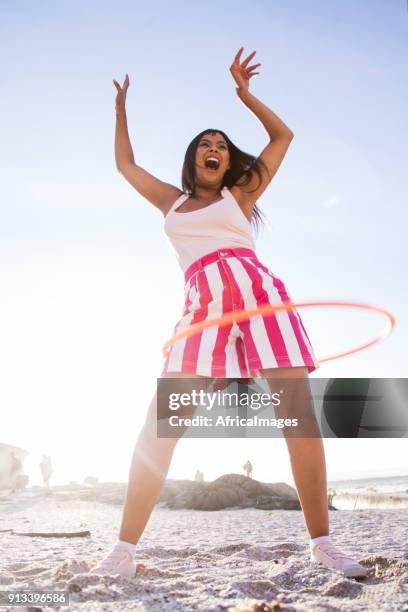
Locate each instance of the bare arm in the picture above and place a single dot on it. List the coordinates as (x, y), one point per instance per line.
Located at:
(123, 148)
(280, 135)
(160, 194)
(274, 126)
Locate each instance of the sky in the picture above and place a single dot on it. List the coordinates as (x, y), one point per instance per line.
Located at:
(90, 287)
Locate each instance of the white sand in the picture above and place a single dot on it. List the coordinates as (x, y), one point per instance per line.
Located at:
(199, 560)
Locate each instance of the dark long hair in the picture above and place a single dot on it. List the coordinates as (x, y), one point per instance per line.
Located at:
(243, 165)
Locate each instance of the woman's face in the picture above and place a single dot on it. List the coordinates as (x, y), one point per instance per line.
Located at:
(212, 160)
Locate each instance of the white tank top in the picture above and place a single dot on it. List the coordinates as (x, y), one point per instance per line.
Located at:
(219, 225)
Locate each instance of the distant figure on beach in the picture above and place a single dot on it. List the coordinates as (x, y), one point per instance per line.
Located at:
(15, 469)
(248, 468)
(199, 476)
(46, 470)
(330, 494)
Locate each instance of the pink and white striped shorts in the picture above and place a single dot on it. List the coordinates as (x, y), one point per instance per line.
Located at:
(228, 280)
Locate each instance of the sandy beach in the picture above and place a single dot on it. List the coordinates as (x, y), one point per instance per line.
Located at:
(233, 559)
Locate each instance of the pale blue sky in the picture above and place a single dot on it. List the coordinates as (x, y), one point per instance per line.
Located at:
(90, 287)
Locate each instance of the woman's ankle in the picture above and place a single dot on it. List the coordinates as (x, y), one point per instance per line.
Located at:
(127, 545)
(320, 539)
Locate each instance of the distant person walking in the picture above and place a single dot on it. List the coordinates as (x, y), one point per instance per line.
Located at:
(248, 468)
(46, 470)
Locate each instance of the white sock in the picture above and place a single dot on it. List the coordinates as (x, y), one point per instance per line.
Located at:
(130, 547)
(320, 539)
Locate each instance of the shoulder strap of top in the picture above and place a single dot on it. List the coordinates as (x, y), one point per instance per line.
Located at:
(184, 196)
(178, 202)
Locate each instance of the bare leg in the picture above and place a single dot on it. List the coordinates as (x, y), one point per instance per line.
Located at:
(308, 465)
(148, 470)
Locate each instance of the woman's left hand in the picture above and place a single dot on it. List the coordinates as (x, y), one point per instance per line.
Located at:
(241, 73)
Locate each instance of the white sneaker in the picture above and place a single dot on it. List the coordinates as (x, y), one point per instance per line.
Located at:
(119, 561)
(330, 556)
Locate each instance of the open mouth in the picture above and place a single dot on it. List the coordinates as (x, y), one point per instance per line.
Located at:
(212, 164)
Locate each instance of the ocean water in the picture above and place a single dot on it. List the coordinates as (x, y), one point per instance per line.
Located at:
(389, 485)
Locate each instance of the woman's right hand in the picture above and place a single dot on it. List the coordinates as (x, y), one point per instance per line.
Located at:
(121, 96)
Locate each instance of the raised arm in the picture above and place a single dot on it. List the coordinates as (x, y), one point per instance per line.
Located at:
(157, 192)
(280, 135)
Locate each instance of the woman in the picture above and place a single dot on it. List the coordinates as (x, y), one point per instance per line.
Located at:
(209, 223)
